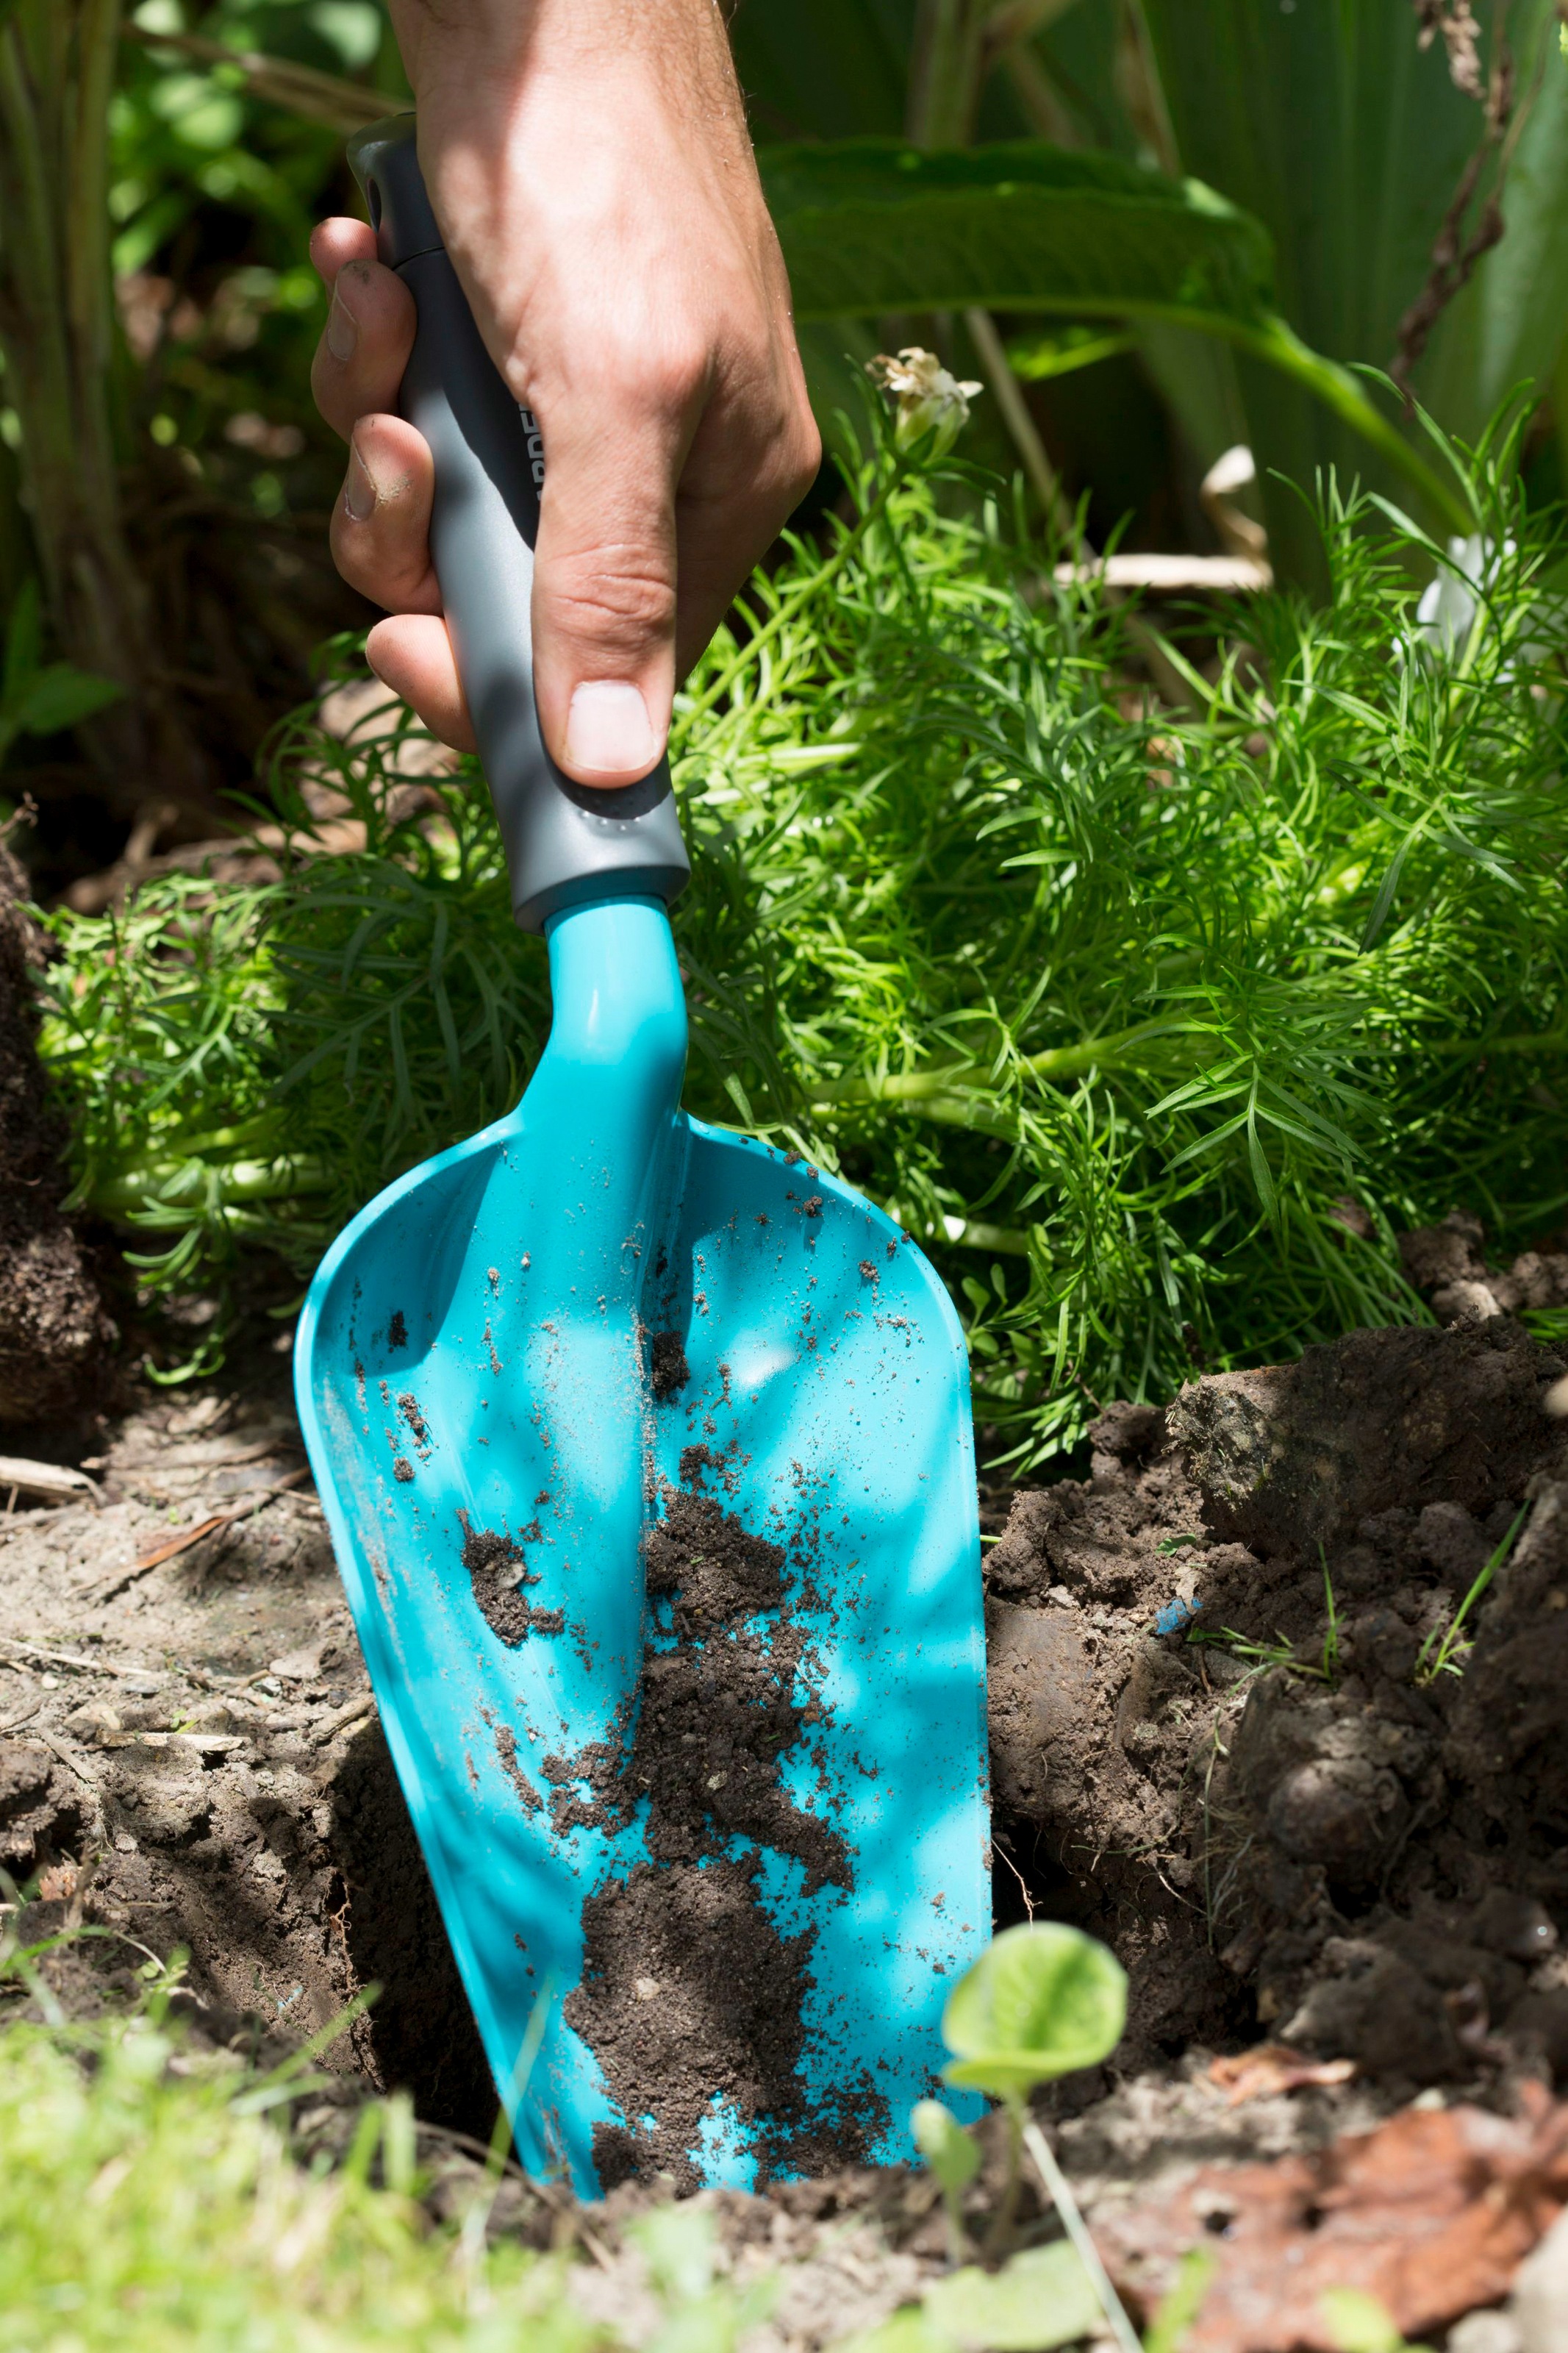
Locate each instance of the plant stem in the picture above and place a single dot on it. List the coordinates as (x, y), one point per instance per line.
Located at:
(1271, 339)
(1276, 342)
(1077, 2228)
(999, 2237)
(158, 1194)
(1009, 397)
(791, 605)
(1450, 1641)
(946, 71)
(942, 1088)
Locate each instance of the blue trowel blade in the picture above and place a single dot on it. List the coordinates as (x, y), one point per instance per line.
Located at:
(524, 1369)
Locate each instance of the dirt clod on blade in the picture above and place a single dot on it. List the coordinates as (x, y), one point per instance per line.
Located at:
(689, 1989)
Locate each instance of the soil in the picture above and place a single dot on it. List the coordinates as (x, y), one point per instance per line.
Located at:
(495, 1565)
(1217, 1742)
(688, 1983)
(54, 1331)
(1281, 1818)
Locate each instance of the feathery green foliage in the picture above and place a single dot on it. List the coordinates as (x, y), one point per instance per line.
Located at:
(1109, 1003)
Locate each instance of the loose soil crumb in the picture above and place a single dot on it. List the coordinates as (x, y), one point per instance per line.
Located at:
(724, 2015)
(495, 1562)
(506, 1750)
(670, 1369)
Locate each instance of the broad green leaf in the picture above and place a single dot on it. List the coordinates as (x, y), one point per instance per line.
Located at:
(909, 2330)
(1182, 2302)
(822, 69)
(870, 225)
(1041, 2002)
(1508, 324)
(1344, 139)
(1044, 2298)
(60, 697)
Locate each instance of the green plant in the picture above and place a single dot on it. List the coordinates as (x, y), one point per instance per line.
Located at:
(56, 74)
(1263, 1655)
(1116, 1002)
(951, 2157)
(1181, 2304)
(1041, 2002)
(1446, 1660)
(1039, 2299)
(153, 2197)
(1330, 1659)
(40, 698)
(871, 226)
(1347, 142)
(149, 2200)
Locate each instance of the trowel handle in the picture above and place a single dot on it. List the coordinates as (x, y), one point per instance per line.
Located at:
(566, 843)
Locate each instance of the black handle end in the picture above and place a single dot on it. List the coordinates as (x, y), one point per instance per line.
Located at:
(385, 161)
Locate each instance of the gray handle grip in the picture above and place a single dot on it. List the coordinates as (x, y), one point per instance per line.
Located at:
(566, 843)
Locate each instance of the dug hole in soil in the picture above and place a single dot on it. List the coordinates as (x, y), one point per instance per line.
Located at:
(1338, 1880)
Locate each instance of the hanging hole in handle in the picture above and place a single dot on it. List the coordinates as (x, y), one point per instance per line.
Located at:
(372, 200)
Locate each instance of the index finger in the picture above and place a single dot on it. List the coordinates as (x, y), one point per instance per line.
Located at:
(369, 333)
(340, 240)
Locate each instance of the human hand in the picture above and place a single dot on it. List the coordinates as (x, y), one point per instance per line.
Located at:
(591, 171)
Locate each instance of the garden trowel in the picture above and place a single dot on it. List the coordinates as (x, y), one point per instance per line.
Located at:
(646, 1454)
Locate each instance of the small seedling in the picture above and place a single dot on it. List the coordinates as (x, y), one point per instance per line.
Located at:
(1262, 1655)
(1447, 1659)
(1332, 1639)
(953, 2160)
(1041, 2002)
(1181, 2304)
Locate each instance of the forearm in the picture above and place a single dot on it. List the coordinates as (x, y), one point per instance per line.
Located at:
(618, 114)
(589, 165)
(491, 49)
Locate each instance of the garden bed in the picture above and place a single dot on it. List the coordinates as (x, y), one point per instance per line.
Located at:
(1222, 1740)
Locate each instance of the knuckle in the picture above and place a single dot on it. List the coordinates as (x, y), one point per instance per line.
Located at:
(616, 596)
(666, 364)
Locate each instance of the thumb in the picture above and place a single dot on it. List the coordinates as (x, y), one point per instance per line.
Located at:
(605, 598)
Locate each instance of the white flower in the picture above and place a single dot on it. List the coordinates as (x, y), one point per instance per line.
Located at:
(1447, 608)
(1445, 616)
(926, 394)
